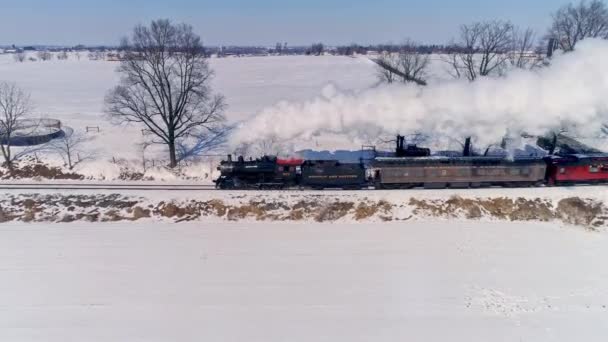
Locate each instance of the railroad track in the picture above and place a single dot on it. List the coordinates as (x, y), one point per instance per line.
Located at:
(101, 186)
(161, 187)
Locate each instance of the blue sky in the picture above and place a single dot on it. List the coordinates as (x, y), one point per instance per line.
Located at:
(264, 22)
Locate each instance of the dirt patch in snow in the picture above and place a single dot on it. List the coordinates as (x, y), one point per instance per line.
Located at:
(582, 212)
(38, 171)
(366, 210)
(314, 208)
(574, 210)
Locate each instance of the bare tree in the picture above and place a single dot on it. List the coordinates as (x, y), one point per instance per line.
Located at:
(70, 147)
(408, 65)
(15, 105)
(165, 86)
(573, 23)
(483, 50)
(522, 54)
(19, 57)
(44, 55)
(96, 55)
(317, 49)
(63, 55)
(99, 55)
(387, 67)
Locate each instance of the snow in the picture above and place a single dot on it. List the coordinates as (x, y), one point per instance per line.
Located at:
(420, 281)
(598, 192)
(73, 91)
(582, 206)
(425, 278)
(530, 101)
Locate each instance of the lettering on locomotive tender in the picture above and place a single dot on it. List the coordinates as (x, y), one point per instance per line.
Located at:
(334, 177)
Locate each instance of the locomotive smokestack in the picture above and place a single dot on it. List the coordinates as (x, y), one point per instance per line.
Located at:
(467, 148)
(230, 158)
(400, 151)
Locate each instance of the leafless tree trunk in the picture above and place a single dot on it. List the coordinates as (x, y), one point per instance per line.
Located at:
(165, 86)
(19, 57)
(15, 105)
(484, 50)
(573, 23)
(408, 65)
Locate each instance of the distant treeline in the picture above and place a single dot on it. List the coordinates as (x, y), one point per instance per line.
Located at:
(279, 49)
(342, 50)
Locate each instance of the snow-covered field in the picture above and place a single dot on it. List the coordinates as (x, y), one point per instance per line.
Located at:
(421, 281)
(454, 265)
(73, 91)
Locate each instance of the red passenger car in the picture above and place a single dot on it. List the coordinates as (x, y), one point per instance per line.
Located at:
(577, 168)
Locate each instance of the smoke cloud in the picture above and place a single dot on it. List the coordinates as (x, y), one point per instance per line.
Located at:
(571, 92)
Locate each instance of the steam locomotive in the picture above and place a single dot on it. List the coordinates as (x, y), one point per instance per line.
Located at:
(414, 167)
(270, 172)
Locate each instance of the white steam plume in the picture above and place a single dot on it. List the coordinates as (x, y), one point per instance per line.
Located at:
(573, 91)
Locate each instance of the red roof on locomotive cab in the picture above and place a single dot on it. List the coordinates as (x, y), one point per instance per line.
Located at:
(290, 162)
